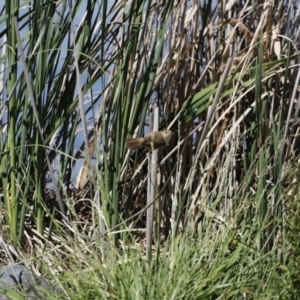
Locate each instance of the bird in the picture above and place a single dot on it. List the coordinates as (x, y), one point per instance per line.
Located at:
(152, 141)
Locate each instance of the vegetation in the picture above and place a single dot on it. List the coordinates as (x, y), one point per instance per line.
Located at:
(74, 86)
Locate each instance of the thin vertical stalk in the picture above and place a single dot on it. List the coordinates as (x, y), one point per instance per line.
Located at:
(10, 189)
(152, 166)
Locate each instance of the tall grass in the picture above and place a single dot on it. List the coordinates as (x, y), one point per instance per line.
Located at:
(225, 78)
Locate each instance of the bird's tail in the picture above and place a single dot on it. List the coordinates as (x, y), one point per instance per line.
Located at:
(134, 143)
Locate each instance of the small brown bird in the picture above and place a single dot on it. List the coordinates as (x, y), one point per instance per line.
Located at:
(152, 141)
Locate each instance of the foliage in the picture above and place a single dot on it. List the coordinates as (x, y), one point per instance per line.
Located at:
(74, 86)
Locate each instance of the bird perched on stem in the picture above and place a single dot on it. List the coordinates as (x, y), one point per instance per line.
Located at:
(152, 141)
